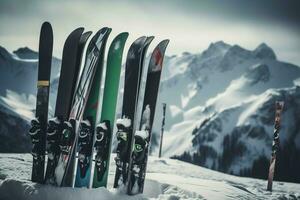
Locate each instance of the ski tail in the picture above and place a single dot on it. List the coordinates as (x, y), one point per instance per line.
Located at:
(39, 125)
(142, 138)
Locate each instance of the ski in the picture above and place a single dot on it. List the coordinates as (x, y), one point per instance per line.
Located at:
(125, 125)
(275, 146)
(38, 128)
(105, 121)
(64, 169)
(142, 137)
(83, 147)
(72, 52)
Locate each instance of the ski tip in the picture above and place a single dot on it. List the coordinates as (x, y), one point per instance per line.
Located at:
(47, 28)
(150, 38)
(119, 41)
(166, 41)
(162, 45)
(46, 24)
(147, 43)
(105, 29)
(75, 34)
(85, 36)
(88, 33)
(157, 57)
(140, 40)
(122, 35)
(80, 29)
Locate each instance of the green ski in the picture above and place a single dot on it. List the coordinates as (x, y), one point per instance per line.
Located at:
(105, 121)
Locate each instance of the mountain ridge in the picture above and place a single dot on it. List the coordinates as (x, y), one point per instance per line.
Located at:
(216, 87)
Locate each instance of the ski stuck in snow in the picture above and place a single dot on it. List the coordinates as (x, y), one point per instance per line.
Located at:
(77, 140)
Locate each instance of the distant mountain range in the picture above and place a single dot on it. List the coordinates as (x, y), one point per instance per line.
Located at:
(221, 110)
(220, 107)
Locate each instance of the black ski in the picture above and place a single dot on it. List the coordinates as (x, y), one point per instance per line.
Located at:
(137, 167)
(39, 124)
(72, 53)
(134, 67)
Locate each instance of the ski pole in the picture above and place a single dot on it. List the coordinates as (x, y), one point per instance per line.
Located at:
(162, 129)
(275, 145)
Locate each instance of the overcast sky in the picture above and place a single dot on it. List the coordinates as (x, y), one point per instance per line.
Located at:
(190, 25)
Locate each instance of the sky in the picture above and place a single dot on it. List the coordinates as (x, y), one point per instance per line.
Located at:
(191, 25)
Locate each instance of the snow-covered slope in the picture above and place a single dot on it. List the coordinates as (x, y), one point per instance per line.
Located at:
(166, 179)
(190, 80)
(15, 113)
(214, 100)
(19, 72)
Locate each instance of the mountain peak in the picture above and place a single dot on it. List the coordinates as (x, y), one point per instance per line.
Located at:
(221, 44)
(218, 47)
(26, 53)
(264, 51)
(4, 53)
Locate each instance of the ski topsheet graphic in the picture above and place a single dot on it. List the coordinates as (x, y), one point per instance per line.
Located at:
(275, 146)
(67, 79)
(142, 137)
(105, 121)
(83, 148)
(133, 71)
(64, 169)
(39, 124)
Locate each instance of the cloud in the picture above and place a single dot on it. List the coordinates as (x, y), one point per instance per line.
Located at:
(190, 25)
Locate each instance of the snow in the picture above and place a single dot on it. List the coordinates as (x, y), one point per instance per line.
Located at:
(166, 179)
(102, 125)
(15, 57)
(86, 123)
(22, 105)
(143, 134)
(124, 121)
(175, 110)
(173, 144)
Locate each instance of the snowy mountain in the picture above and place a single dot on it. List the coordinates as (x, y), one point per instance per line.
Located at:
(166, 179)
(18, 96)
(221, 110)
(15, 113)
(19, 72)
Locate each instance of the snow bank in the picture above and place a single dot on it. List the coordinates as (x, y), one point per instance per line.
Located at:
(166, 179)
